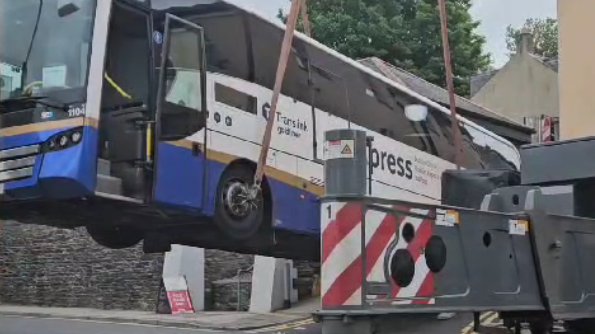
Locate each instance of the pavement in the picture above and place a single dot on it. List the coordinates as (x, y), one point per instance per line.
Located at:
(27, 325)
(30, 320)
(232, 321)
(33, 325)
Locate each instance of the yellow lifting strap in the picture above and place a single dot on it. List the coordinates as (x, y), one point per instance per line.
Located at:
(116, 87)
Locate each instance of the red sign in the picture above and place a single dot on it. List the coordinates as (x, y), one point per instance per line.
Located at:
(180, 302)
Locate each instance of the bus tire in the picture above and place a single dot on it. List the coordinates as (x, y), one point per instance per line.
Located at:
(234, 220)
(114, 236)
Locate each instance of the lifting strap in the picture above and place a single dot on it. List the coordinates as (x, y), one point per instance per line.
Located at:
(282, 66)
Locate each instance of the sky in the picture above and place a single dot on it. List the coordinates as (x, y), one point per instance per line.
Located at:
(495, 16)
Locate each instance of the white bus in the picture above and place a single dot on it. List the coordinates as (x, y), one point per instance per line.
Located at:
(195, 78)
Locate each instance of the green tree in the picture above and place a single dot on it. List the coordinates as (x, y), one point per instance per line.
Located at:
(545, 37)
(405, 33)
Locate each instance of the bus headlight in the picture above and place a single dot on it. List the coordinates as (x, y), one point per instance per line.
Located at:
(63, 141)
(76, 136)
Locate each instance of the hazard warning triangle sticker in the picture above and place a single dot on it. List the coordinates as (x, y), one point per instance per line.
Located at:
(347, 150)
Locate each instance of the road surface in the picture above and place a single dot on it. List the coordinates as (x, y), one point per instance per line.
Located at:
(25, 325)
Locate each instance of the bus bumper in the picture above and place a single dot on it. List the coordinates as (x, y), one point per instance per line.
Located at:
(29, 169)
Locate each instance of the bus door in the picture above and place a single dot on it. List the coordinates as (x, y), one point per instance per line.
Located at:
(180, 129)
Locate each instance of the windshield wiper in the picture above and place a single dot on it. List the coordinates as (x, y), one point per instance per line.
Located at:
(64, 10)
(6, 104)
(25, 66)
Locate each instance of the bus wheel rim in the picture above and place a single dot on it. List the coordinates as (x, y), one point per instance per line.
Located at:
(235, 198)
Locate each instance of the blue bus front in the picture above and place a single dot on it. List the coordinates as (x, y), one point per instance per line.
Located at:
(48, 147)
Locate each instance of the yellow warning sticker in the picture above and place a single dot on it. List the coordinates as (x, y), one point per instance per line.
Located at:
(452, 216)
(346, 150)
(447, 217)
(338, 149)
(518, 227)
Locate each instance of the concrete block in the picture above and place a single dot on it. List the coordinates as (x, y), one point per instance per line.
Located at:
(188, 262)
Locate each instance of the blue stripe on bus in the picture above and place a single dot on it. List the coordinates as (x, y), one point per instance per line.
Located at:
(178, 182)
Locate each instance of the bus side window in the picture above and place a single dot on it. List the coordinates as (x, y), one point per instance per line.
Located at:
(235, 99)
(226, 45)
(443, 132)
(493, 153)
(266, 41)
(329, 95)
(329, 92)
(383, 110)
(471, 158)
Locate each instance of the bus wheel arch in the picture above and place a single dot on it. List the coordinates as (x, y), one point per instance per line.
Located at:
(232, 223)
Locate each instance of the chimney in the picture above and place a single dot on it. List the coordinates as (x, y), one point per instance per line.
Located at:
(526, 42)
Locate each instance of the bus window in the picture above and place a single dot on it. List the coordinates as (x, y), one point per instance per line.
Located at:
(330, 92)
(266, 41)
(378, 108)
(181, 103)
(226, 46)
(493, 153)
(235, 98)
(477, 154)
(442, 128)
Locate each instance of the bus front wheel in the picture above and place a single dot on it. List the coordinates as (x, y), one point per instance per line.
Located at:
(114, 236)
(235, 214)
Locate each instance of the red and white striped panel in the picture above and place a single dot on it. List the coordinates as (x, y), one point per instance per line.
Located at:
(341, 254)
(342, 263)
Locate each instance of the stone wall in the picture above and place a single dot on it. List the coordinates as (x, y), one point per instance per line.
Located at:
(221, 265)
(44, 266)
(221, 272)
(226, 294)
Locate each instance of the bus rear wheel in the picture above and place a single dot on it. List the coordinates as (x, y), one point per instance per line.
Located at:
(114, 236)
(236, 215)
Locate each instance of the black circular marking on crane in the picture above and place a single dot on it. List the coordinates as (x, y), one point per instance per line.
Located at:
(217, 117)
(435, 254)
(408, 232)
(402, 268)
(487, 239)
(228, 121)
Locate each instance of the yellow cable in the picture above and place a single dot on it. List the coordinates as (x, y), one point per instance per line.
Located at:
(116, 87)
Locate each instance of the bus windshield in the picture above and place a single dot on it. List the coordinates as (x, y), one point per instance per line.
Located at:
(44, 46)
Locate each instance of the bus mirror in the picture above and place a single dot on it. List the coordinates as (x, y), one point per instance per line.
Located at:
(67, 8)
(416, 112)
